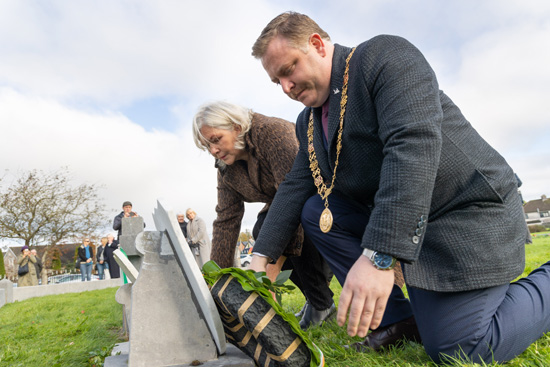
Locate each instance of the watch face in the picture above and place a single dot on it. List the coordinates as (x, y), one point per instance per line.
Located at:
(383, 261)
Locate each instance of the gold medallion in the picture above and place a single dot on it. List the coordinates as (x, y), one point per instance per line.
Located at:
(325, 222)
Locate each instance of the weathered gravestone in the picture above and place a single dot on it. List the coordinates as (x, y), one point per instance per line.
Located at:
(172, 317)
(7, 286)
(2, 297)
(131, 227)
(124, 293)
(126, 265)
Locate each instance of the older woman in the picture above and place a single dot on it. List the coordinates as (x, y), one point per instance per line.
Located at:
(253, 154)
(28, 259)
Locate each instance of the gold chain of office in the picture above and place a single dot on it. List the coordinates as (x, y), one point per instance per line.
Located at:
(325, 222)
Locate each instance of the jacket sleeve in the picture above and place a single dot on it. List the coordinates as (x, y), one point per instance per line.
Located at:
(117, 222)
(82, 254)
(230, 211)
(20, 260)
(406, 96)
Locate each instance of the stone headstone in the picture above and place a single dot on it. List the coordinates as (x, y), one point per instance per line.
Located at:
(7, 286)
(124, 297)
(131, 227)
(2, 297)
(127, 267)
(172, 318)
(166, 328)
(166, 221)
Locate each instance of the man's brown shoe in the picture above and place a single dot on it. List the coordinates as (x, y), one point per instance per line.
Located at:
(389, 335)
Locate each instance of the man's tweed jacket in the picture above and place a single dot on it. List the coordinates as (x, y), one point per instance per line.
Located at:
(440, 198)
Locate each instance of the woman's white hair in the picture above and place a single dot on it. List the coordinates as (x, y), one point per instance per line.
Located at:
(221, 115)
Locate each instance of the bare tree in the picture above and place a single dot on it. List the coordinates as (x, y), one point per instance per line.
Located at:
(45, 208)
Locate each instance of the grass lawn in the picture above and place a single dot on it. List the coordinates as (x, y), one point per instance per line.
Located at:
(70, 330)
(60, 330)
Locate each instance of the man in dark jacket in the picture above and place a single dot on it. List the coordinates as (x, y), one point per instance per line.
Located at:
(125, 213)
(389, 168)
(182, 223)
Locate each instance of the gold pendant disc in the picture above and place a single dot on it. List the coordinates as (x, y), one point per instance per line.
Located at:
(325, 222)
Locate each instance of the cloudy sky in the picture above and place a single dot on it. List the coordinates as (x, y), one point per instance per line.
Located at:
(108, 88)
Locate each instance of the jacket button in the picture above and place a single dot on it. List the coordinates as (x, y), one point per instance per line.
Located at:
(416, 240)
(418, 231)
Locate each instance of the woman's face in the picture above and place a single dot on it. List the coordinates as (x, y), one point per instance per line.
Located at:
(221, 144)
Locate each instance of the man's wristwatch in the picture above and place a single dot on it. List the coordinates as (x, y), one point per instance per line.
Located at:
(379, 260)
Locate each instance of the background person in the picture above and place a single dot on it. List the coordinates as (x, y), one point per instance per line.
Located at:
(112, 265)
(125, 213)
(413, 181)
(182, 223)
(198, 238)
(38, 265)
(101, 258)
(85, 254)
(26, 258)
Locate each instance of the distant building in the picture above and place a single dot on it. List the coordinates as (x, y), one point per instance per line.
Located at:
(537, 211)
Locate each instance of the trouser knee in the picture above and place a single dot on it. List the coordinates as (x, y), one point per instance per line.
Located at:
(469, 350)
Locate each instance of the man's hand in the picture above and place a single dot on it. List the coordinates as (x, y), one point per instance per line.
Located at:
(365, 294)
(258, 263)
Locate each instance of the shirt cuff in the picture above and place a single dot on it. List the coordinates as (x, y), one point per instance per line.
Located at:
(269, 261)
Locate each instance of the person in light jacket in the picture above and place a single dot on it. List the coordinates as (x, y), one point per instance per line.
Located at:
(197, 237)
(26, 258)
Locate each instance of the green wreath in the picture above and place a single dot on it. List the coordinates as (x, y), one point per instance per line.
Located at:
(258, 283)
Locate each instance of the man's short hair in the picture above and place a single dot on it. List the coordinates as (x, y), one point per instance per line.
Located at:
(295, 27)
(126, 203)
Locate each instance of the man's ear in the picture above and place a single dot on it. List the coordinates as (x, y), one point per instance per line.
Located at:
(318, 44)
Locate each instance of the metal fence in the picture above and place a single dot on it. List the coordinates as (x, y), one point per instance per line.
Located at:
(55, 277)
